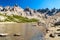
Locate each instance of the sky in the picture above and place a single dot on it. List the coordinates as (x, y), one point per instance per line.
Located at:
(34, 4)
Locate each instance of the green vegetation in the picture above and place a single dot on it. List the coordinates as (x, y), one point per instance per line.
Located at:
(19, 19)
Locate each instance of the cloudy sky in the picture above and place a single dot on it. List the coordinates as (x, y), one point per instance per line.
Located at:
(34, 4)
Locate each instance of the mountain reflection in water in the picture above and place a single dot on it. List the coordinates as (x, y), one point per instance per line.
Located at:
(27, 31)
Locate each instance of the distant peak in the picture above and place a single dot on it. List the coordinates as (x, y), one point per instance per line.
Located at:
(16, 5)
(27, 9)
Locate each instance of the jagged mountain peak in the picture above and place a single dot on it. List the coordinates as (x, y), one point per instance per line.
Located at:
(28, 9)
(16, 5)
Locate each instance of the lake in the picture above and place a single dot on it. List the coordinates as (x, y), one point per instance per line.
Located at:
(27, 31)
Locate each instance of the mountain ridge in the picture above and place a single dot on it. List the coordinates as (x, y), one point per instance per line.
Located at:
(41, 14)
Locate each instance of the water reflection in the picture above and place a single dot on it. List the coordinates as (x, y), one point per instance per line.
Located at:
(37, 36)
(27, 32)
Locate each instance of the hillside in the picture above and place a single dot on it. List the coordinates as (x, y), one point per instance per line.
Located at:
(16, 18)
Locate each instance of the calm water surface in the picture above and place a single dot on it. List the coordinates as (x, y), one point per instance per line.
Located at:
(27, 31)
